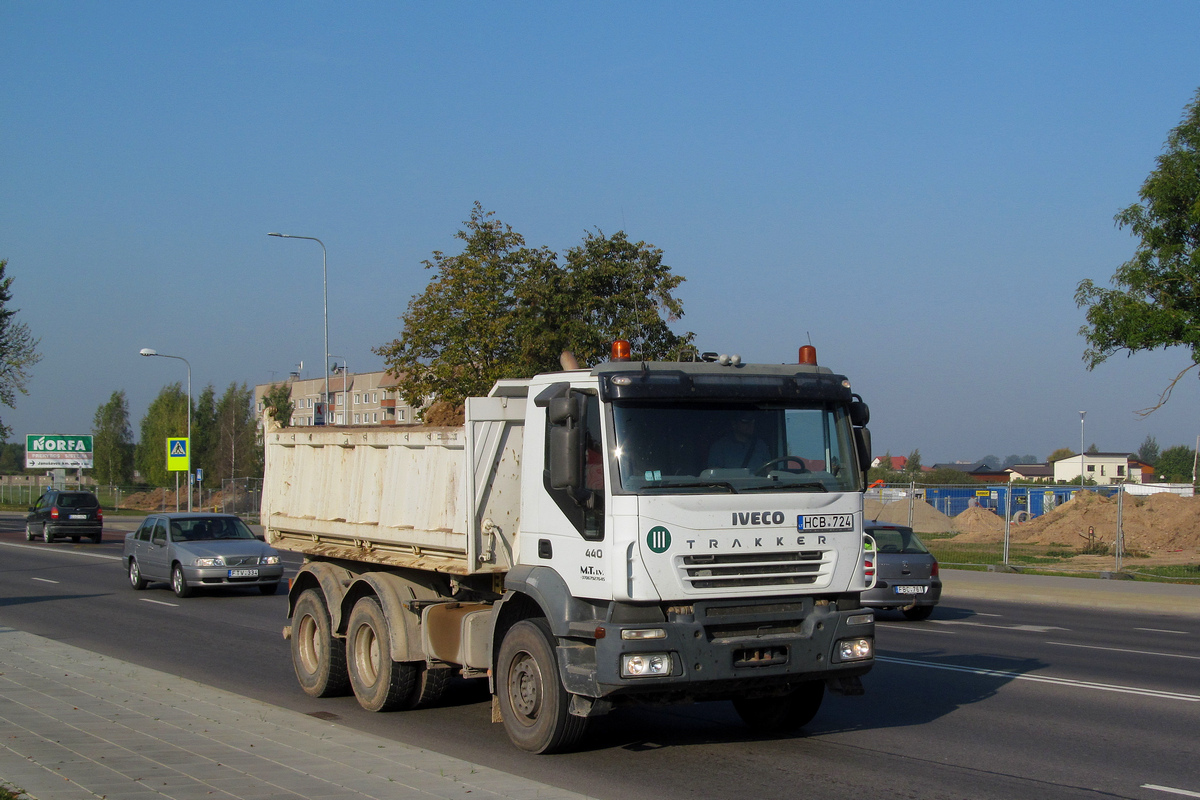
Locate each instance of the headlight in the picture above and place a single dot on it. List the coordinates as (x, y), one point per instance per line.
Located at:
(269, 560)
(210, 562)
(860, 619)
(645, 665)
(855, 649)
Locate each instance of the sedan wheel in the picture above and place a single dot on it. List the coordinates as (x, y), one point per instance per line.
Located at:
(46, 537)
(29, 537)
(179, 582)
(135, 575)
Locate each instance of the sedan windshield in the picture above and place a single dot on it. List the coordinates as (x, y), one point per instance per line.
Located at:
(207, 528)
(735, 447)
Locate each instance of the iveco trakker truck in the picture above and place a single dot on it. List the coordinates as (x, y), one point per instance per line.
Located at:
(638, 532)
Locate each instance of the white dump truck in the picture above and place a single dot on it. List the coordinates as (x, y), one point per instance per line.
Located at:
(639, 532)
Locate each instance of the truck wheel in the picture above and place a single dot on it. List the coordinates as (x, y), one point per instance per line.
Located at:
(318, 657)
(917, 612)
(533, 702)
(430, 685)
(379, 683)
(775, 715)
(135, 575)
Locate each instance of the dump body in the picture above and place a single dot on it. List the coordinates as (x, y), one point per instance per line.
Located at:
(399, 496)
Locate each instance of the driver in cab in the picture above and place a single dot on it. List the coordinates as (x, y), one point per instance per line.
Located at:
(739, 448)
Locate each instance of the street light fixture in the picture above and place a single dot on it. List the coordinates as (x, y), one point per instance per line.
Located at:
(146, 351)
(325, 285)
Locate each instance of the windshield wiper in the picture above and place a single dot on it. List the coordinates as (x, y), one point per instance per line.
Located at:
(787, 487)
(697, 485)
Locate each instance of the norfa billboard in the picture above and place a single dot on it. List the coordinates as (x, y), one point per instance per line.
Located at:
(54, 451)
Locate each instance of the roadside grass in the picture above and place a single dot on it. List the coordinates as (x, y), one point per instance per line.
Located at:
(1047, 560)
(11, 793)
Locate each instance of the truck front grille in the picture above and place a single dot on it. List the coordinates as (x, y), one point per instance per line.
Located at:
(748, 570)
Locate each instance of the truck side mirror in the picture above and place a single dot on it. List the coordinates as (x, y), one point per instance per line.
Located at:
(860, 412)
(565, 415)
(862, 439)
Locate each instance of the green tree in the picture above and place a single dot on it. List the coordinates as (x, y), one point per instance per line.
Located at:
(238, 451)
(500, 309)
(1148, 452)
(278, 403)
(1175, 464)
(165, 418)
(12, 459)
(18, 350)
(112, 442)
(913, 465)
(1155, 299)
(1092, 449)
(1060, 454)
(204, 431)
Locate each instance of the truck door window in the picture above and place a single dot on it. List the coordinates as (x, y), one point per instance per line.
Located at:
(585, 509)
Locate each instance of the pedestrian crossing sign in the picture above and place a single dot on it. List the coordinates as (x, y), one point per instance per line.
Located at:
(178, 458)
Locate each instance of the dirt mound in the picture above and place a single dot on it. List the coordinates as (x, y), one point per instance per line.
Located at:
(979, 524)
(926, 518)
(1158, 522)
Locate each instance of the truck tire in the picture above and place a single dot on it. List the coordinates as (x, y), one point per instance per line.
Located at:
(533, 702)
(379, 683)
(429, 687)
(318, 657)
(776, 715)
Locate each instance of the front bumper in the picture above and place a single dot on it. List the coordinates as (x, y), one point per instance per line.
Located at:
(220, 576)
(720, 650)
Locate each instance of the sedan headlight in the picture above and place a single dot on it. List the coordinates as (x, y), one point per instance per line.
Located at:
(210, 562)
(269, 560)
(645, 665)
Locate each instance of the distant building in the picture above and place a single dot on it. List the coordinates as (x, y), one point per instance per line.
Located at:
(1030, 472)
(897, 464)
(365, 398)
(1103, 468)
(976, 470)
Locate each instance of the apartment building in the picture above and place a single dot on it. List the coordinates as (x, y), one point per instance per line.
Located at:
(365, 398)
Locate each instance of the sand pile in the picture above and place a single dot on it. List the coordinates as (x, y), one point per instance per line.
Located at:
(1155, 523)
(979, 524)
(926, 518)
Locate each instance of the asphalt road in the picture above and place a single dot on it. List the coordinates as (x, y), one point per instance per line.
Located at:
(994, 700)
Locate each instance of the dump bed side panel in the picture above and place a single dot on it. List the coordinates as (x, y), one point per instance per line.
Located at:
(388, 496)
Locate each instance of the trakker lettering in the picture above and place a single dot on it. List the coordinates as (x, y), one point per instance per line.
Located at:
(736, 544)
(758, 517)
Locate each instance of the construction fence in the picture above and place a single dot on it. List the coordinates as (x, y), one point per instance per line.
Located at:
(241, 496)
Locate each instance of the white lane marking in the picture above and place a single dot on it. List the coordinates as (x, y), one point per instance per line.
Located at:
(1026, 628)
(44, 549)
(999, 673)
(44, 580)
(1123, 650)
(1160, 630)
(901, 626)
(1169, 790)
(981, 614)
(159, 602)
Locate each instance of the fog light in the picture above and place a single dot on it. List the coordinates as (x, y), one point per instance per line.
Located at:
(645, 665)
(860, 619)
(643, 633)
(855, 649)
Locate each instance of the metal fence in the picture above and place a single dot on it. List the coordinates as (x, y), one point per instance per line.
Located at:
(240, 496)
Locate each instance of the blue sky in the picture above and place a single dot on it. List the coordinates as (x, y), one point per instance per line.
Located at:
(917, 187)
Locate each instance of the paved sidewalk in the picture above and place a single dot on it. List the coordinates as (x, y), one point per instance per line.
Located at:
(75, 725)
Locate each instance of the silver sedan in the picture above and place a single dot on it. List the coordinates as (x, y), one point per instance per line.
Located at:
(200, 550)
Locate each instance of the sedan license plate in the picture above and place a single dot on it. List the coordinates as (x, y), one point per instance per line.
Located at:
(243, 573)
(825, 522)
(910, 590)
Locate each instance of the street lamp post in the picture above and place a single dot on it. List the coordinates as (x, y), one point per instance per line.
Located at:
(345, 404)
(325, 288)
(146, 351)
(1082, 414)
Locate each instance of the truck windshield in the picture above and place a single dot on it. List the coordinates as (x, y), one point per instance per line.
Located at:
(734, 447)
